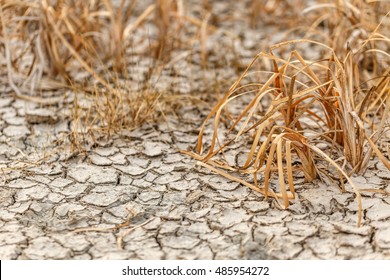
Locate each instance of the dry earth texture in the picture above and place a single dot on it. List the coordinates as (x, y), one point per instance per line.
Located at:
(174, 129)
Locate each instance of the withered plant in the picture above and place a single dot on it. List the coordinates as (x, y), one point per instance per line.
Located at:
(84, 47)
(311, 117)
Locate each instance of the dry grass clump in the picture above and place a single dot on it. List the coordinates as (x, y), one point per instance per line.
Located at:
(80, 46)
(317, 118)
(90, 34)
(97, 50)
(344, 23)
(88, 48)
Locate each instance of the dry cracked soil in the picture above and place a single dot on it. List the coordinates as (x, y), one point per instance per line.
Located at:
(136, 196)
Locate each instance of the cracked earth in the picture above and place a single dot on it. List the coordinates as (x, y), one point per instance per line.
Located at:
(137, 197)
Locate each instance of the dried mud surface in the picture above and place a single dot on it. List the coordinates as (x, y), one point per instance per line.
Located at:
(137, 197)
(168, 208)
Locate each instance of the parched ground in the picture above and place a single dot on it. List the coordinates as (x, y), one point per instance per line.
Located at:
(136, 196)
(156, 204)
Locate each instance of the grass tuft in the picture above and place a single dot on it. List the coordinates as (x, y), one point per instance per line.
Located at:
(302, 116)
(93, 50)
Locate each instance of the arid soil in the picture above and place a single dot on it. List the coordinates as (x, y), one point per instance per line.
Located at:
(136, 196)
(169, 208)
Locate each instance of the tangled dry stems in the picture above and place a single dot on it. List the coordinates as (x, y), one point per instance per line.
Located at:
(303, 112)
(83, 47)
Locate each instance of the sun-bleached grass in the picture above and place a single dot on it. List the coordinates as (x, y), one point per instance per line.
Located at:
(84, 47)
(308, 102)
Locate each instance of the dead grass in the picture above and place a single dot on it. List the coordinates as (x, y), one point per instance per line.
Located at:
(86, 48)
(344, 25)
(313, 117)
